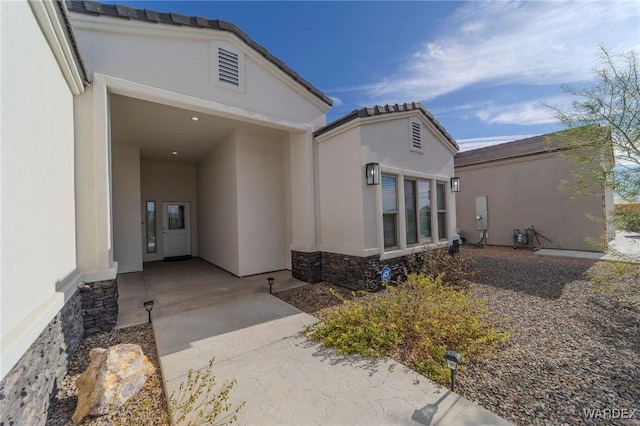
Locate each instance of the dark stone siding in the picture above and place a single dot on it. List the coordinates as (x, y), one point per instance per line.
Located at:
(99, 306)
(306, 266)
(355, 272)
(26, 389)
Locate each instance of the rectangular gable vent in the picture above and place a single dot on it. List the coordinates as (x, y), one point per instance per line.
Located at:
(416, 136)
(228, 67)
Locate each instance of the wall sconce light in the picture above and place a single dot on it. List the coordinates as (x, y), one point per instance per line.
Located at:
(148, 305)
(454, 359)
(373, 173)
(455, 184)
(270, 281)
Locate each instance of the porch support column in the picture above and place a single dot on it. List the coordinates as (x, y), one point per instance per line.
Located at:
(303, 226)
(93, 184)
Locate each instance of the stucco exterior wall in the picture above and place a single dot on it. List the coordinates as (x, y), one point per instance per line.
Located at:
(388, 143)
(37, 215)
(217, 209)
(350, 211)
(127, 244)
(261, 204)
(340, 188)
(135, 50)
(525, 192)
(163, 181)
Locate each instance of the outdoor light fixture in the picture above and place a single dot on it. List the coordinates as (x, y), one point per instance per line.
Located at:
(194, 118)
(373, 173)
(454, 359)
(455, 184)
(270, 281)
(148, 305)
(174, 152)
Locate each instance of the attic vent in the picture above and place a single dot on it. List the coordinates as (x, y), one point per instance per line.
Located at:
(228, 67)
(416, 136)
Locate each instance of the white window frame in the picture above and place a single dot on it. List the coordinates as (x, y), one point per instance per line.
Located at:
(420, 240)
(437, 210)
(403, 249)
(396, 213)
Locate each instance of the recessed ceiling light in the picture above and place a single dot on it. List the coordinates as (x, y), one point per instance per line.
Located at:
(194, 119)
(174, 152)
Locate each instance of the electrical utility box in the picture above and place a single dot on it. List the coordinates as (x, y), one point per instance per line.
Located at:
(482, 219)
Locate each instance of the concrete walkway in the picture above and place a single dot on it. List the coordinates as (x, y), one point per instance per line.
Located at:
(624, 247)
(284, 379)
(202, 312)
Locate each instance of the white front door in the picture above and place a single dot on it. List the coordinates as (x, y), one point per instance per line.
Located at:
(176, 229)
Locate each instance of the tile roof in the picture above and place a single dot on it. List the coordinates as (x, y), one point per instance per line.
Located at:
(521, 148)
(71, 36)
(147, 15)
(387, 109)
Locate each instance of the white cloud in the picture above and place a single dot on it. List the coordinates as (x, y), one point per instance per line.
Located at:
(336, 101)
(475, 143)
(532, 42)
(524, 113)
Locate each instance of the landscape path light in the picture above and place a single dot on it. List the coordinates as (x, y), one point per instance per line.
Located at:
(148, 305)
(270, 281)
(454, 359)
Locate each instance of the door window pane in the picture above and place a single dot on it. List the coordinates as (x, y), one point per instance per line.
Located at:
(176, 216)
(410, 211)
(151, 227)
(424, 209)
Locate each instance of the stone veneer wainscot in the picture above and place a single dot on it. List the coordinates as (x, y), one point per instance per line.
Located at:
(26, 390)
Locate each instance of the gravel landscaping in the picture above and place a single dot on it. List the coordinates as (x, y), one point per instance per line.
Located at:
(148, 407)
(574, 345)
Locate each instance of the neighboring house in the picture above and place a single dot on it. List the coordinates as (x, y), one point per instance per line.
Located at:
(183, 137)
(517, 185)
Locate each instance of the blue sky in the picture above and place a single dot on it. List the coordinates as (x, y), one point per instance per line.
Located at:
(484, 69)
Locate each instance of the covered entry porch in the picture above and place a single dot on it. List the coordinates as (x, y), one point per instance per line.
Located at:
(195, 178)
(185, 285)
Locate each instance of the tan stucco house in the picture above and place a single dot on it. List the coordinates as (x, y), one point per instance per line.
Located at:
(523, 184)
(131, 136)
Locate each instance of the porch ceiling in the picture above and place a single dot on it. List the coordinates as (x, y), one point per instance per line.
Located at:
(160, 129)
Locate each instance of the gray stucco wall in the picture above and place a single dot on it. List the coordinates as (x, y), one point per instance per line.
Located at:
(527, 192)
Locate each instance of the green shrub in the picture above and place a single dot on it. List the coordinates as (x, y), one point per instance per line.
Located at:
(456, 270)
(628, 219)
(416, 321)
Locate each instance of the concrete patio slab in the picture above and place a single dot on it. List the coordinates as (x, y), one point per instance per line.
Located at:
(287, 380)
(178, 286)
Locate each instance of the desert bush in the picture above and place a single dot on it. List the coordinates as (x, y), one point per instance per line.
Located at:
(416, 321)
(628, 219)
(457, 270)
(604, 275)
(197, 402)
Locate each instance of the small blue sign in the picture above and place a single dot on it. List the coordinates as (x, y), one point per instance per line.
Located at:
(385, 274)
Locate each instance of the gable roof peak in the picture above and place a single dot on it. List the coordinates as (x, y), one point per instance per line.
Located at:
(378, 110)
(171, 18)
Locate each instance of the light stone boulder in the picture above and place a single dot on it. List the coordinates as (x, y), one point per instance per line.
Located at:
(113, 376)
